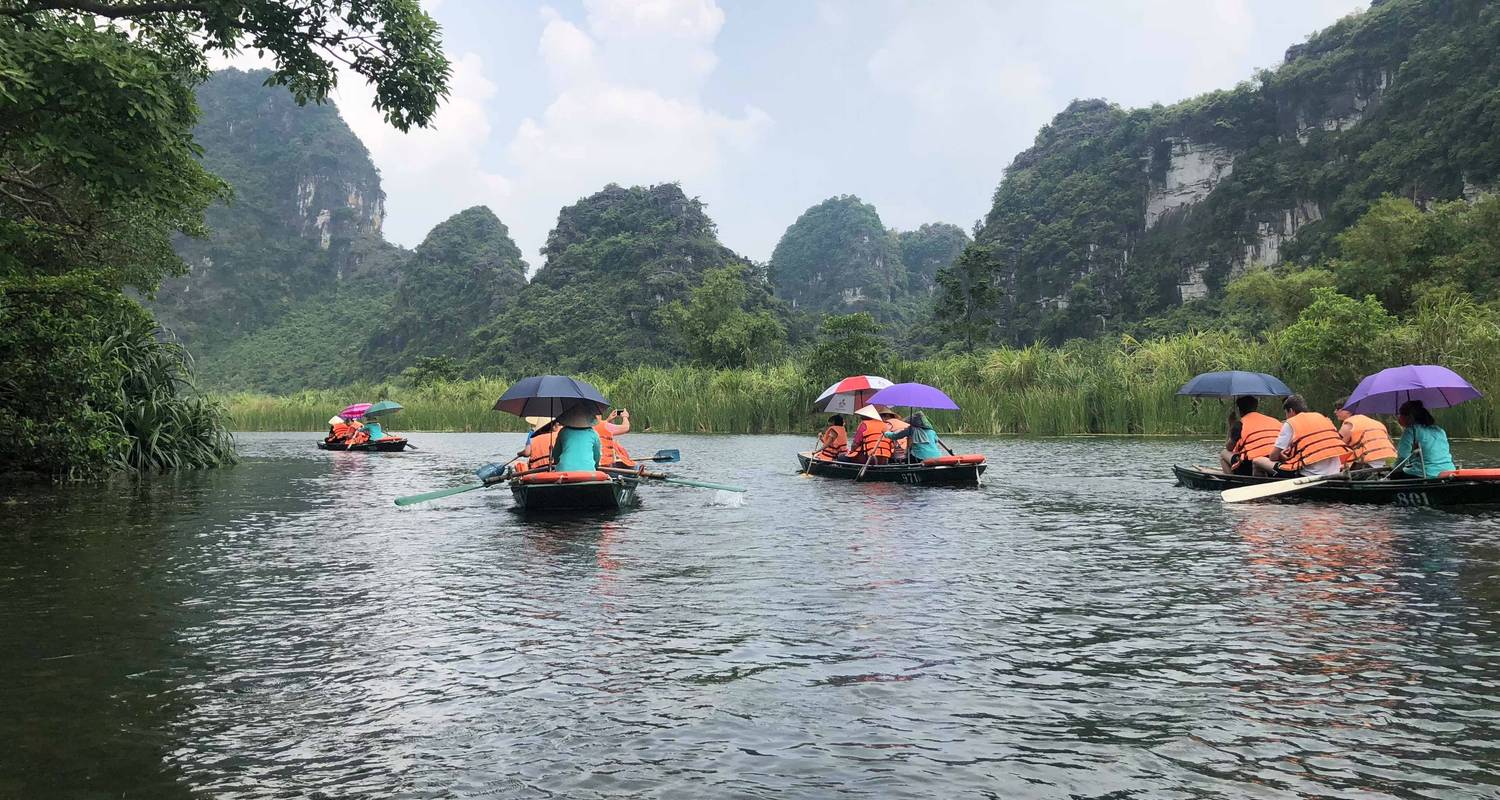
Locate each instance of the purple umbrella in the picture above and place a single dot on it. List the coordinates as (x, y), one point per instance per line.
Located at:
(355, 411)
(1386, 390)
(916, 395)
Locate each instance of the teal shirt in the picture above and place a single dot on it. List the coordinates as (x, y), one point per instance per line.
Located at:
(578, 450)
(923, 442)
(373, 428)
(1432, 442)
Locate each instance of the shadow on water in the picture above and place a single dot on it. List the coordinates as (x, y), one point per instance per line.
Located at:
(1077, 627)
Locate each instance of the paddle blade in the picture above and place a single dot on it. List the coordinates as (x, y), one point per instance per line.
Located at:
(1243, 494)
(422, 498)
(667, 456)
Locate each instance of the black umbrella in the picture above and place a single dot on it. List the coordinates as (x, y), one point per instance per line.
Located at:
(549, 396)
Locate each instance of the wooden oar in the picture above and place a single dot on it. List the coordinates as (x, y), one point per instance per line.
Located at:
(657, 476)
(1242, 494)
(422, 498)
(866, 466)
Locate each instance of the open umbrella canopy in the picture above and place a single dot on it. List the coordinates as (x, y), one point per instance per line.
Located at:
(549, 396)
(383, 407)
(850, 393)
(355, 411)
(1235, 383)
(1386, 390)
(916, 395)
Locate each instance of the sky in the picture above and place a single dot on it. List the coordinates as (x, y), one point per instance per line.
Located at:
(763, 108)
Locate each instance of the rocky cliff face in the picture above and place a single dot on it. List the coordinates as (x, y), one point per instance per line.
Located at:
(1114, 214)
(305, 214)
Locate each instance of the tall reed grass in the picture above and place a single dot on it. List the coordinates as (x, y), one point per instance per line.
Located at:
(1120, 386)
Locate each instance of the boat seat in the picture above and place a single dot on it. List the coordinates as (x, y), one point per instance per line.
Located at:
(949, 461)
(1472, 474)
(581, 476)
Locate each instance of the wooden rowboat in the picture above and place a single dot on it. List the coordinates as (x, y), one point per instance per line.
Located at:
(915, 473)
(615, 493)
(1446, 492)
(381, 446)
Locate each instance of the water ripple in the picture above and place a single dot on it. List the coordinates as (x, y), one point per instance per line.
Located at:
(1083, 630)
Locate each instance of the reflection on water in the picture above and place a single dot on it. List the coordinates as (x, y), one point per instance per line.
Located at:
(1072, 629)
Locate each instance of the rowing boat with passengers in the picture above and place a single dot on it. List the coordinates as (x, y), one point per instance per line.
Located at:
(944, 471)
(885, 448)
(1458, 488)
(573, 492)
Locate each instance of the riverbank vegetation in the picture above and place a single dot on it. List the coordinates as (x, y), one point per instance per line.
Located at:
(1303, 324)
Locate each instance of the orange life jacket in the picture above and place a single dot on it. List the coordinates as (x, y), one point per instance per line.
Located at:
(360, 435)
(1314, 439)
(611, 452)
(342, 430)
(1369, 441)
(1258, 434)
(835, 441)
(898, 446)
(871, 441)
(539, 449)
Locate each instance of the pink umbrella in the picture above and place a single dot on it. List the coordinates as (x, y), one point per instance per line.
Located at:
(355, 411)
(850, 393)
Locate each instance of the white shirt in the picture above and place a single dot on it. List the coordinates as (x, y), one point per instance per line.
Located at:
(1328, 466)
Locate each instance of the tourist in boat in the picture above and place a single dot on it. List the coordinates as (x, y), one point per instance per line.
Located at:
(339, 430)
(1369, 441)
(613, 454)
(894, 422)
(373, 431)
(868, 445)
(360, 434)
(833, 441)
(1253, 436)
(1308, 444)
(578, 446)
(1423, 449)
(540, 444)
(918, 432)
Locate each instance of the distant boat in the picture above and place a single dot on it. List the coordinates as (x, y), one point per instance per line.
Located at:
(388, 445)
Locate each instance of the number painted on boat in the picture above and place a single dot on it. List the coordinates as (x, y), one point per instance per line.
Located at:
(1412, 499)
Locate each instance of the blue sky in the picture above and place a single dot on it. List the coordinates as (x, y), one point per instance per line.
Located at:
(765, 108)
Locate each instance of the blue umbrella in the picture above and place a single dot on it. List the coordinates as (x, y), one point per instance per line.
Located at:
(549, 396)
(1235, 383)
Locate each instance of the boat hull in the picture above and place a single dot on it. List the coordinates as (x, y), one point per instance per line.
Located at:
(389, 446)
(911, 474)
(586, 497)
(1433, 492)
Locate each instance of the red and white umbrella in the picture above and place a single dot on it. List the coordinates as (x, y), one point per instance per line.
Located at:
(850, 393)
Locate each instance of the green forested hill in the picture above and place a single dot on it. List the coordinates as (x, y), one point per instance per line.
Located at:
(1115, 215)
(462, 277)
(614, 259)
(838, 257)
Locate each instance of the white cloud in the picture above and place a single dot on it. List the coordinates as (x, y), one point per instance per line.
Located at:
(627, 109)
(430, 173)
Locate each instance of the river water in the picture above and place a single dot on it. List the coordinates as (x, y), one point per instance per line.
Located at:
(1077, 628)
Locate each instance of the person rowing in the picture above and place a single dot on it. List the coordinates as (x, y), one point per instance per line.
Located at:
(868, 445)
(894, 423)
(1308, 444)
(920, 435)
(1423, 449)
(578, 446)
(1255, 437)
(541, 443)
(1369, 441)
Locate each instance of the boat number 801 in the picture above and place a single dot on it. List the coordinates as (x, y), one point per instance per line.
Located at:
(1412, 499)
